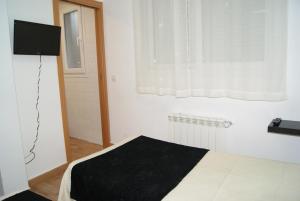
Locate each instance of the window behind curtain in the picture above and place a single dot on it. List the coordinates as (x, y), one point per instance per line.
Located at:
(213, 48)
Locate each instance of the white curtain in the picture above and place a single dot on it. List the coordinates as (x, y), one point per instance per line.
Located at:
(212, 48)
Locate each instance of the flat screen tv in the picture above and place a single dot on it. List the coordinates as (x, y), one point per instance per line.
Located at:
(36, 39)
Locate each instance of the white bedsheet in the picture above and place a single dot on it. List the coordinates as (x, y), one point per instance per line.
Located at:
(224, 177)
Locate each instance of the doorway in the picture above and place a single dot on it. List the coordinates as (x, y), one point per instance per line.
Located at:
(82, 76)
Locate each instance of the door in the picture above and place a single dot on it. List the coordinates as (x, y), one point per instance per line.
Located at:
(79, 55)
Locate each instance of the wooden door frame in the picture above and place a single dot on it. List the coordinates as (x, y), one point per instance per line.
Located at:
(102, 81)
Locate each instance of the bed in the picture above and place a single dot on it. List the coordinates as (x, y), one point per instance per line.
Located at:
(215, 176)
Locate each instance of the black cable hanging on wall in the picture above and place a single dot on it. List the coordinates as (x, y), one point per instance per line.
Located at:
(31, 156)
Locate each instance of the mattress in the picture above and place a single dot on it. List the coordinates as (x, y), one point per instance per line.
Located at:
(144, 169)
(223, 177)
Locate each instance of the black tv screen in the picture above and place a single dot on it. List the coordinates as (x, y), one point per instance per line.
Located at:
(36, 39)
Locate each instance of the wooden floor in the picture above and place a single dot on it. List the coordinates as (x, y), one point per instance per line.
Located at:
(50, 188)
(82, 148)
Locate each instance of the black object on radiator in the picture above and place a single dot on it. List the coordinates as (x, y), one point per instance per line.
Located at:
(143, 169)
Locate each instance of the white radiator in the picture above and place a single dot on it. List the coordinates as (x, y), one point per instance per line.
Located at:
(196, 131)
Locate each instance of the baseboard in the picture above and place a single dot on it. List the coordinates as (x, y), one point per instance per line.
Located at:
(48, 175)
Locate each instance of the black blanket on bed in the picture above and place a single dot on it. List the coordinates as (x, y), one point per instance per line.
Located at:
(143, 169)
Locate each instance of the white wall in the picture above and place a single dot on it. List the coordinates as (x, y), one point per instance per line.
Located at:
(82, 91)
(50, 150)
(12, 165)
(131, 113)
